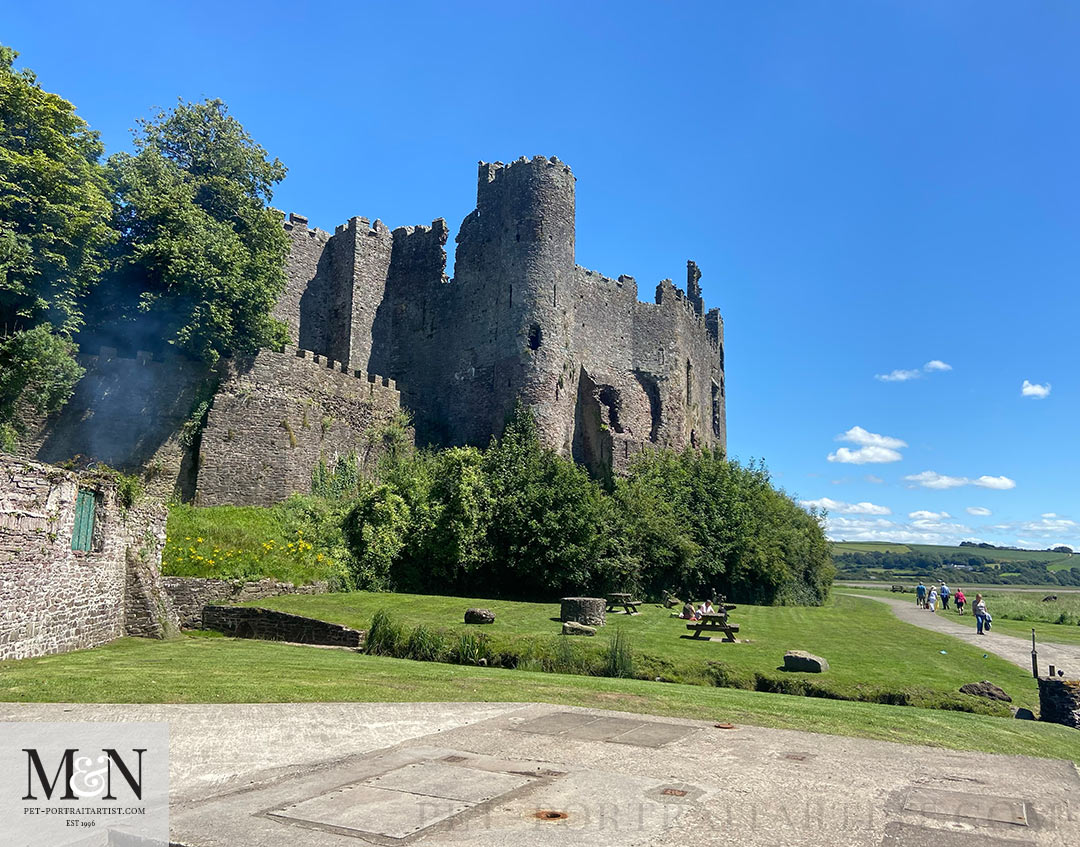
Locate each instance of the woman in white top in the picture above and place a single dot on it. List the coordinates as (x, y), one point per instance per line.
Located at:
(706, 609)
(931, 601)
(980, 613)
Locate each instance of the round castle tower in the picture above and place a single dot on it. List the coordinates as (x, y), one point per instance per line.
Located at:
(515, 266)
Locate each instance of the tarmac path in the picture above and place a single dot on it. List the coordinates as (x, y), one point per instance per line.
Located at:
(1016, 650)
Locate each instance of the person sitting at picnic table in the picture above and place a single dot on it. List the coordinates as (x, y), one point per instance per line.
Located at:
(920, 595)
(706, 609)
(931, 601)
(959, 600)
(688, 612)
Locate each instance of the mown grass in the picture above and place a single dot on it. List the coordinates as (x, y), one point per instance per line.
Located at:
(243, 542)
(873, 656)
(199, 669)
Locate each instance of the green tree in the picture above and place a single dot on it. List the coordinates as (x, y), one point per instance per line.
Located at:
(202, 260)
(55, 216)
(55, 210)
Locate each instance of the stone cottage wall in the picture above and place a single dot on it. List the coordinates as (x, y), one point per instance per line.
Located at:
(53, 598)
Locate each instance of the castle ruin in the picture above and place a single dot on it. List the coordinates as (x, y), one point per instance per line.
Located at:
(605, 374)
(379, 326)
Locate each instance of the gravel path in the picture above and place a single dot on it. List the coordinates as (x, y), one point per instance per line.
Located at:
(1015, 650)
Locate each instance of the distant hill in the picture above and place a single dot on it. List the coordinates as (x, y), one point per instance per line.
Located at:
(885, 560)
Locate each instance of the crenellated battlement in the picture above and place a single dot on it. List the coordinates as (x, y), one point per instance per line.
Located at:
(340, 367)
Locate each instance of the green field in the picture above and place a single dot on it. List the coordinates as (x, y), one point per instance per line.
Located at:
(873, 656)
(1057, 561)
(200, 669)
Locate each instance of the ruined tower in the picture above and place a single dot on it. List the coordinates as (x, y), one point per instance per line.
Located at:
(605, 375)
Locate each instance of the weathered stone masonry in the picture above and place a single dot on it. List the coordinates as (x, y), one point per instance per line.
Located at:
(53, 598)
(605, 374)
(274, 418)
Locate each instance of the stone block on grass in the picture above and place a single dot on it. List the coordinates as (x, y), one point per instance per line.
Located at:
(575, 628)
(800, 660)
(479, 616)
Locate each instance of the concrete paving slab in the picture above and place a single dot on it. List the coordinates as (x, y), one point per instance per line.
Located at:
(602, 729)
(906, 835)
(362, 810)
(451, 782)
(983, 808)
(653, 734)
(555, 723)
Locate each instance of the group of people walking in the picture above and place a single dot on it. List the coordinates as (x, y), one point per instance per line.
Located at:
(930, 599)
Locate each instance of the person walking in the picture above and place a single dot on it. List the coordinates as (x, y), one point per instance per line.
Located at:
(980, 614)
(944, 592)
(959, 600)
(920, 595)
(931, 601)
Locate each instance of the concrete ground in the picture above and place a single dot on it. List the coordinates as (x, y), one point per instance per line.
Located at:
(345, 775)
(1016, 650)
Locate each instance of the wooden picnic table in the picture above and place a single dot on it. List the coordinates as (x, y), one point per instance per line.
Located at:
(618, 599)
(715, 623)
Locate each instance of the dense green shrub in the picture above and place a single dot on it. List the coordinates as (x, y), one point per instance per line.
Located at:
(517, 520)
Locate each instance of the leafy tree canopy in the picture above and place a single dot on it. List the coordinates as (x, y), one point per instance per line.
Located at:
(202, 254)
(54, 205)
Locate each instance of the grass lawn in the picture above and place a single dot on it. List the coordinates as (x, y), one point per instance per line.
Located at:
(1015, 613)
(200, 669)
(873, 656)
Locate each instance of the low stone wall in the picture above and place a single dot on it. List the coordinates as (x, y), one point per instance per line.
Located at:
(269, 625)
(1059, 701)
(190, 594)
(53, 598)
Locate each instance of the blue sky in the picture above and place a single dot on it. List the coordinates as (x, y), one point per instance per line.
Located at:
(867, 186)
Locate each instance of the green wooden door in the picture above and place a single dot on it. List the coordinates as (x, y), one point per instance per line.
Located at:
(83, 536)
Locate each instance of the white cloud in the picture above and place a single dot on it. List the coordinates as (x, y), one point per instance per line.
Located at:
(1033, 389)
(1001, 483)
(904, 374)
(873, 448)
(981, 511)
(922, 514)
(932, 479)
(1050, 524)
(839, 507)
(877, 480)
(864, 455)
(860, 436)
(898, 375)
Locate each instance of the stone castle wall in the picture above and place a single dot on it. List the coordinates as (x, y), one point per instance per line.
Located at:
(54, 599)
(605, 374)
(275, 417)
